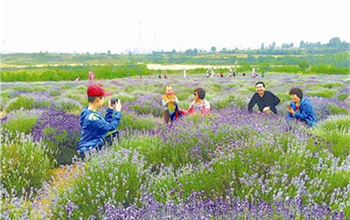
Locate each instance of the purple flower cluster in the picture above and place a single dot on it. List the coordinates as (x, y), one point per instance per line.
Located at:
(322, 107)
(198, 207)
(148, 104)
(59, 130)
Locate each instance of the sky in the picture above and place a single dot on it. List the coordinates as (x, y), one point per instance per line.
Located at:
(77, 26)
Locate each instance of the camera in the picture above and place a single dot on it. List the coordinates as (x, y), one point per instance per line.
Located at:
(114, 100)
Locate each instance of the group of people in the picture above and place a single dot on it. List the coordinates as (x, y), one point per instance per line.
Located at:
(98, 130)
(300, 108)
(199, 105)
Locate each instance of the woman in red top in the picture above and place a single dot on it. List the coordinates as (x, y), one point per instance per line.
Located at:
(199, 105)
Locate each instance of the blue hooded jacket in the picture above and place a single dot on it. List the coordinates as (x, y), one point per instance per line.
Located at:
(305, 112)
(94, 128)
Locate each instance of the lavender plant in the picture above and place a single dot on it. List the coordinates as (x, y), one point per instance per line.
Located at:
(25, 163)
(114, 177)
(60, 131)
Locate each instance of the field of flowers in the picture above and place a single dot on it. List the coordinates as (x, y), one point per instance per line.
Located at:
(230, 165)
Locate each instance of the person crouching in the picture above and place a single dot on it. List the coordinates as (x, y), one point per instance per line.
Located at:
(95, 126)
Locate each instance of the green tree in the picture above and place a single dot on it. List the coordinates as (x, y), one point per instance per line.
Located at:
(334, 42)
(213, 49)
(303, 65)
(262, 47)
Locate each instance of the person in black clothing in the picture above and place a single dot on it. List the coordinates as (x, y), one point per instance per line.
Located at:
(266, 100)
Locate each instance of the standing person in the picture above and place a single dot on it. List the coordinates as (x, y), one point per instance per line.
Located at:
(199, 105)
(91, 76)
(170, 104)
(300, 108)
(266, 100)
(94, 127)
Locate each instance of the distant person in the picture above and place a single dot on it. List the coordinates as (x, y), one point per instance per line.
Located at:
(300, 108)
(221, 75)
(170, 105)
(91, 76)
(94, 126)
(209, 73)
(77, 79)
(165, 75)
(266, 100)
(160, 76)
(243, 74)
(199, 106)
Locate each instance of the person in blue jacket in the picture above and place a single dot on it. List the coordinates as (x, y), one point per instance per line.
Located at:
(300, 108)
(94, 126)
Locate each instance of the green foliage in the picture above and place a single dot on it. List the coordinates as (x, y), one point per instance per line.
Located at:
(224, 102)
(337, 110)
(336, 131)
(76, 97)
(145, 109)
(332, 85)
(67, 105)
(343, 96)
(54, 93)
(125, 97)
(132, 122)
(57, 73)
(25, 164)
(21, 102)
(114, 177)
(20, 123)
(229, 171)
(60, 145)
(324, 93)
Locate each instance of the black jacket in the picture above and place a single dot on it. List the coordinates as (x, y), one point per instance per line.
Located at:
(268, 100)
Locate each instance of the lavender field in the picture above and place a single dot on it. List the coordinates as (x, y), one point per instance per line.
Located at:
(229, 165)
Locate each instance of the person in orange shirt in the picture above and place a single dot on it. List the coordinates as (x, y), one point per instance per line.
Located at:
(170, 104)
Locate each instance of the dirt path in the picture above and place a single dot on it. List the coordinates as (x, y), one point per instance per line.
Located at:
(61, 178)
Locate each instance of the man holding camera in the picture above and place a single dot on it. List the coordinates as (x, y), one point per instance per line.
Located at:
(94, 127)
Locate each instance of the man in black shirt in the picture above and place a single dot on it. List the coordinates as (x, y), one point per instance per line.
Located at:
(266, 100)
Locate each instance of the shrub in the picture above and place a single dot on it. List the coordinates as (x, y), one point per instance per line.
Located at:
(115, 177)
(335, 110)
(324, 94)
(223, 102)
(336, 131)
(343, 96)
(20, 124)
(67, 105)
(60, 131)
(21, 102)
(326, 107)
(148, 104)
(54, 93)
(25, 164)
(133, 122)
